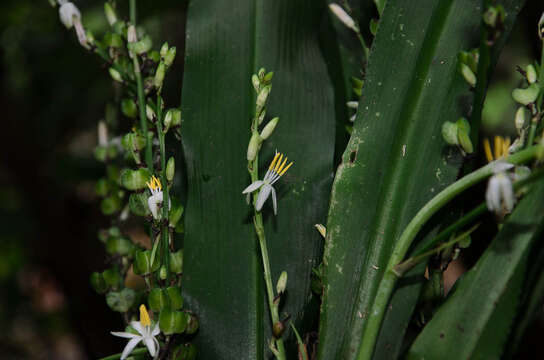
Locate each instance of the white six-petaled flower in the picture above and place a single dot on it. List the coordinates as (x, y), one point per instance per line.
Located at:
(146, 333)
(70, 16)
(155, 199)
(276, 170)
(499, 195)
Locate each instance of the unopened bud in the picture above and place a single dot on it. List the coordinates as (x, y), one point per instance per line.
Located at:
(268, 77)
(269, 128)
(526, 96)
(110, 13)
(343, 16)
(68, 12)
(261, 116)
(172, 119)
(261, 73)
(159, 75)
(449, 133)
(164, 49)
(256, 83)
(162, 273)
(352, 104)
(262, 97)
(150, 113)
(253, 147)
(115, 75)
(128, 107)
(531, 74)
(132, 36)
(282, 283)
(468, 75)
(170, 169)
(170, 56)
(102, 133)
(142, 46)
(322, 230)
(520, 119)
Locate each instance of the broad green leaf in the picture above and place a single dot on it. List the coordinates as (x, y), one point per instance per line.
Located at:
(475, 320)
(223, 277)
(396, 160)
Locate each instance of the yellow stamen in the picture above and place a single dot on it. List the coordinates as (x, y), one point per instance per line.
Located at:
(273, 161)
(282, 165)
(154, 183)
(505, 146)
(498, 146)
(487, 150)
(144, 316)
(278, 163)
(286, 168)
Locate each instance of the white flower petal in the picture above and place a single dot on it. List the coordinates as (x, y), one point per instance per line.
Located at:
(150, 344)
(263, 195)
(499, 166)
(129, 347)
(492, 195)
(136, 325)
(156, 330)
(343, 16)
(124, 334)
(254, 186)
(507, 193)
(153, 202)
(67, 12)
(274, 201)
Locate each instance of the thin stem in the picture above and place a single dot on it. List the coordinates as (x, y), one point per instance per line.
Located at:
(132, 6)
(253, 168)
(387, 284)
(118, 356)
(363, 44)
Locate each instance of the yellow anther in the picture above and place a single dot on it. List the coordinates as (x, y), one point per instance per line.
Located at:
(505, 146)
(154, 183)
(273, 161)
(278, 163)
(144, 316)
(487, 150)
(282, 165)
(498, 146)
(287, 167)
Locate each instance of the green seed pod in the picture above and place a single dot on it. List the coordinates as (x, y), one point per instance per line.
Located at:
(282, 283)
(119, 246)
(256, 83)
(142, 46)
(463, 135)
(449, 133)
(121, 301)
(159, 75)
(193, 324)
(172, 322)
(174, 295)
(115, 75)
(268, 77)
(110, 13)
(112, 278)
(531, 74)
(142, 263)
(157, 299)
(253, 147)
(172, 119)
(120, 27)
(526, 96)
(185, 352)
(133, 141)
(110, 205)
(468, 75)
(164, 49)
(102, 187)
(135, 179)
(520, 119)
(98, 283)
(111, 152)
(170, 56)
(162, 273)
(170, 169)
(176, 262)
(128, 107)
(175, 213)
(137, 203)
(261, 116)
(278, 329)
(269, 128)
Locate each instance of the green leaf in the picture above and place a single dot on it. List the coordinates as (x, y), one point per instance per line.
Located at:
(475, 321)
(223, 276)
(121, 301)
(396, 160)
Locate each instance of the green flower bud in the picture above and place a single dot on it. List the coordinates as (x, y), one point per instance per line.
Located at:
(112, 278)
(137, 203)
(176, 262)
(269, 128)
(98, 283)
(268, 77)
(142, 263)
(262, 97)
(463, 135)
(164, 49)
(256, 83)
(282, 283)
(468, 75)
(170, 56)
(119, 246)
(192, 327)
(526, 96)
(449, 133)
(157, 299)
(531, 74)
(175, 213)
(172, 119)
(128, 107)
(120, 27)
(162, 273)
(154, 56)
(110, 205)
(261, 116)
(121, 301)
(520, 119)
(170, 169)
(135, 179)
(185, 352)
(253, 147)
(159, 75)
(261, 73)
(172, 322)
(175, 298)
(110, 13)
(115, 75)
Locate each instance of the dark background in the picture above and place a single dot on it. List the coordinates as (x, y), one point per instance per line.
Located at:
(53, 94)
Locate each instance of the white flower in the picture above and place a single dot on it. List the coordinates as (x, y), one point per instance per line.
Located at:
(276, 169)
(155, 199)
(343, 16)
(146, 333)
(499, 195)
(70, 16)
